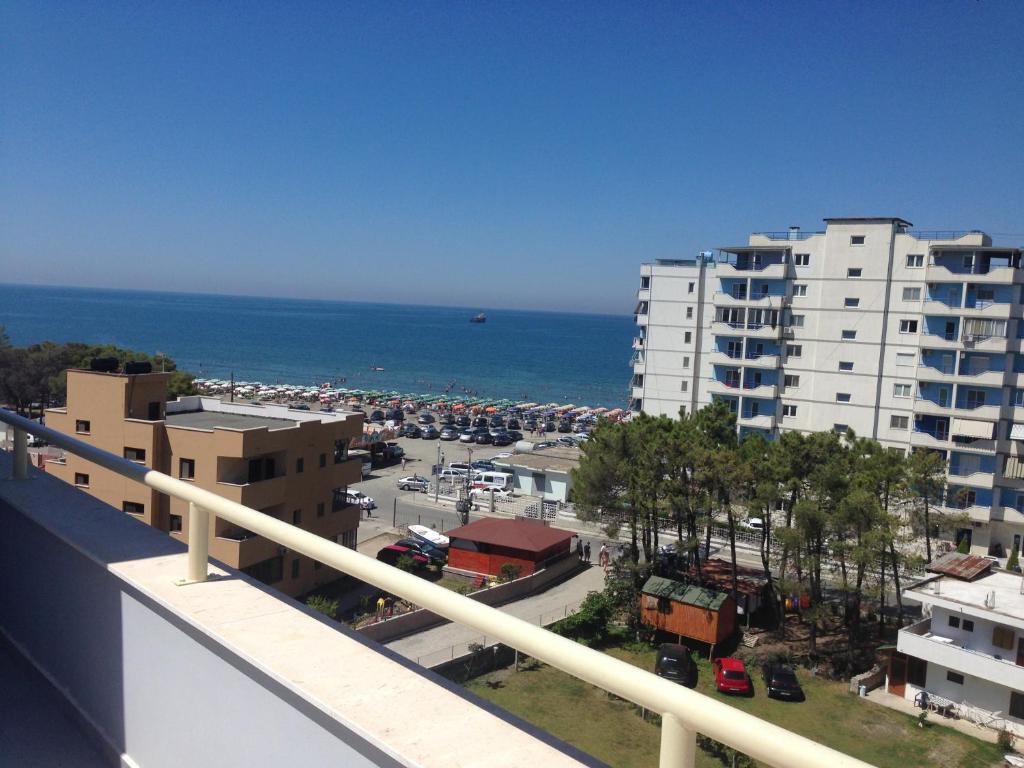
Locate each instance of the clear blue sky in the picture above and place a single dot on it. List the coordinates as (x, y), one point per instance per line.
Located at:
(484, 153)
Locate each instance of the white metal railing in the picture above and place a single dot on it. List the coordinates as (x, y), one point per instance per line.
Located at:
(684, 712)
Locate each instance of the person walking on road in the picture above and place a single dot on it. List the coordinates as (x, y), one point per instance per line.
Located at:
(403, 463)
(586, 552)
(602, 557)
(579, 549)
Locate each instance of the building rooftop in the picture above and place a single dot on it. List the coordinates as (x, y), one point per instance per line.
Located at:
(196, 412)
(218, 419)
(866, 220)
(687, 594)
(554, 459)
(997, 596)
(517, 533)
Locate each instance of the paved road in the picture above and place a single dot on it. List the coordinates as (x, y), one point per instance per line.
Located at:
(440, 644)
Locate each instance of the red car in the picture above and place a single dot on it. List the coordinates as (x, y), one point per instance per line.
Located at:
(390, 555)
(731, 676)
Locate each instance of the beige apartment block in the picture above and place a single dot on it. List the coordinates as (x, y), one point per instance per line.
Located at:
(290, 464)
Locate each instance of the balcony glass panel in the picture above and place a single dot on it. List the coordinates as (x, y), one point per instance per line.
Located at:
(969, 398)
(945, 293)
(944, 327)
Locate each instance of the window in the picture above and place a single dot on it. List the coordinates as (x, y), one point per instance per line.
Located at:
(348, 539)
(295, 568)
(856, 239)
(81, 479)
(1002, 637)
(268, 571)
(135, 454)
(689, 288)
(323, 460)
(840, 428)
(686, 337)
(845, 365)
(917, 671)
(842, 397)
(911, 294)
(153, 412)
(300, 464)
(908, 326)
(802, 259)
(174, 523)
(297, 517)
(789, 410)
(915, 259)
(796, 321)
(849, 334)
(320, 509)
(133, 507)
(686, 362)
(686, 385)
(645, 283)
(904, 358)
(794, 350)
(689, 313)
(83, 427)
(800, 289)
(187, 469)
(901, 390)
(954, 621)
(899, 422)
(850, 302)
(790, 380)
(854, 272)
(1017, 705)
(955, 677)
(968, 625)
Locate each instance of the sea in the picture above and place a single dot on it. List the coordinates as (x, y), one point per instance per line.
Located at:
(536, 356)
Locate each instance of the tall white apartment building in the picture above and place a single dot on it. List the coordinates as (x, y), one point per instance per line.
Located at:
(911, 338)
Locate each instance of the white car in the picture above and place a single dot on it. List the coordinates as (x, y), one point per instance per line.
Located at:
(361, 500)
(413, 483)
(485, 494)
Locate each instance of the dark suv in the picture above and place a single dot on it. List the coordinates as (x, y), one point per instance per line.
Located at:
(674, 663)
(780, 682)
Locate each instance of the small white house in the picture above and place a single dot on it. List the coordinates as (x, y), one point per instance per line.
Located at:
(545, 474)
(967, 653)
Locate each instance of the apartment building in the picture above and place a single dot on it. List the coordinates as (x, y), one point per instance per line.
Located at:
(967, 654)
(912, 338)
(293, 465)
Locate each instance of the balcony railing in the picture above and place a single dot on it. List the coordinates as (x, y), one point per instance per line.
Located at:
(791, 235)
(684, 713)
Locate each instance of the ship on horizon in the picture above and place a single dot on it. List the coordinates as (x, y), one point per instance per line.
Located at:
(480, 318)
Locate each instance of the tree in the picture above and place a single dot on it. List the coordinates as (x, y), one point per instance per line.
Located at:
(324, 605)
(926, 481)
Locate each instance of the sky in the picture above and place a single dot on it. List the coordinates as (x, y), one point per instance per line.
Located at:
(486, 154)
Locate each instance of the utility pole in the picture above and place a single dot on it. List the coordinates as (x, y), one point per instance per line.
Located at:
(437, 473)
(232, 386)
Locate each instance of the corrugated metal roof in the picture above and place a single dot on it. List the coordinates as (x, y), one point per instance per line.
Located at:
(965, 567)
(687, 594)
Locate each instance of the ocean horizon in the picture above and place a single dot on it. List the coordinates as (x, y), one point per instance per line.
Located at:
(540, 355)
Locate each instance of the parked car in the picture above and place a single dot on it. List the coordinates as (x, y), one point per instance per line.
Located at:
(449, 433)
(396, 415)
(674, 663)
(377, 415)
(549, 426)
(430, 432)
(565, 426)
(480, 421)
(780, 682)
(513, 423)
(414, 483)
(483, 465)
(567, 441)
(497, 420)
(731, 676)
(410, 430)
(515, 434)
(484, 494)
(462, 421)
(425, 418)
(434, 555)
(484, 438)
(446, 418)
(360, 499)
(468, 435)
(393, 552)
(502, 438)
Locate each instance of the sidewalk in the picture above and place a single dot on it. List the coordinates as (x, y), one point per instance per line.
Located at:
(440, 644)
(883, 698)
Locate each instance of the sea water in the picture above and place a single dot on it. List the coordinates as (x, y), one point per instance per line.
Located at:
(528, 355)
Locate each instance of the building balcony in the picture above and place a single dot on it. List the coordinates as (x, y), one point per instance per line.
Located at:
(240, 549)
(938, 273)
(933, 408)
(718, 357)
(725, 269)
(717, 387)
(984, 343)
(638, 343)
(982, 378)
(643, 319)
(1011, 515)
(262, 494)
(723, 299)
(930, 373)
(761, 361)
(974, 480)
(991, 309)
(761, 391)
(919, 641)
(976, 513)
(985, 447)
(939, 341)
(940, 308)
(929, 440)
(981, 412)
(636, 391)
(761, 421)
(643, 294)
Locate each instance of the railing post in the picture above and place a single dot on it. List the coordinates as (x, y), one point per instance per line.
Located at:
(198, 542)
(678, 744)
(20, 454)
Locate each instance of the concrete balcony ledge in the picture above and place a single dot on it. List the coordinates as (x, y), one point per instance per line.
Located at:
(225, 672)
(919, 641)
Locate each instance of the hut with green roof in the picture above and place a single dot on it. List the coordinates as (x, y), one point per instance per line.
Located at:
(686, 610)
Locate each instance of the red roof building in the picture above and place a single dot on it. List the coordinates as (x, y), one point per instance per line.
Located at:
(485, 545)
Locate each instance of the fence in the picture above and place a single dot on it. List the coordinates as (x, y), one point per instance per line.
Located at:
(684, 713)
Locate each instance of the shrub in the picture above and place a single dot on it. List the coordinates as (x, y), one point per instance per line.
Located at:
(509, 572)
(1013, 560)
(405, 563)
(964, 547)
(589, 625)
(326, 606)
(1005, 740)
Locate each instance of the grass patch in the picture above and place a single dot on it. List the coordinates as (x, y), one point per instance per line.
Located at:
(612, 731)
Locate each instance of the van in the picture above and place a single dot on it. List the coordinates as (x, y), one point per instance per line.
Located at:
(499, 481)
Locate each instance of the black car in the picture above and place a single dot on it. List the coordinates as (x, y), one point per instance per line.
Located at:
(425, 418)
(396, 415)
(449, 433)
(515, 434)
(462, 421)
(434, 555)
(674, 663)
(502, 439)
(513, 423)
(410, 430)
(565, 426)
(484, 438)
(480, 421)
(780, 682)
(497, 420)
(549, 426)
(430, 432)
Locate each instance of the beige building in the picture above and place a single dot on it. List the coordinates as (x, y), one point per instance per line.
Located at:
(290, 464)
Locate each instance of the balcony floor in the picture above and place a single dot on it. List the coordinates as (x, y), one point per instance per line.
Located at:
(34, 727)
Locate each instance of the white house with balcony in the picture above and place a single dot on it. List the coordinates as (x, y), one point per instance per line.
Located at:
(966, 655)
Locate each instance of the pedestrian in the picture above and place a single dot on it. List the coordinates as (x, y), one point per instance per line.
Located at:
(602, 557)
(380, 607)
(403, 463)
(389, 606)
(579, 549)
(586, 552)
(367, 511)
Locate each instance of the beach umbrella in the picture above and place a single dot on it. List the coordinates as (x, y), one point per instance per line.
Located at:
(490, 409)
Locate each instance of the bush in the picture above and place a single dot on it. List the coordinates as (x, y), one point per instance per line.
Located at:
(327, 607)
(509, 572)
(589, 625)
(1013, 561)
(1005, 740)
(405, 563)
(964, 547)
